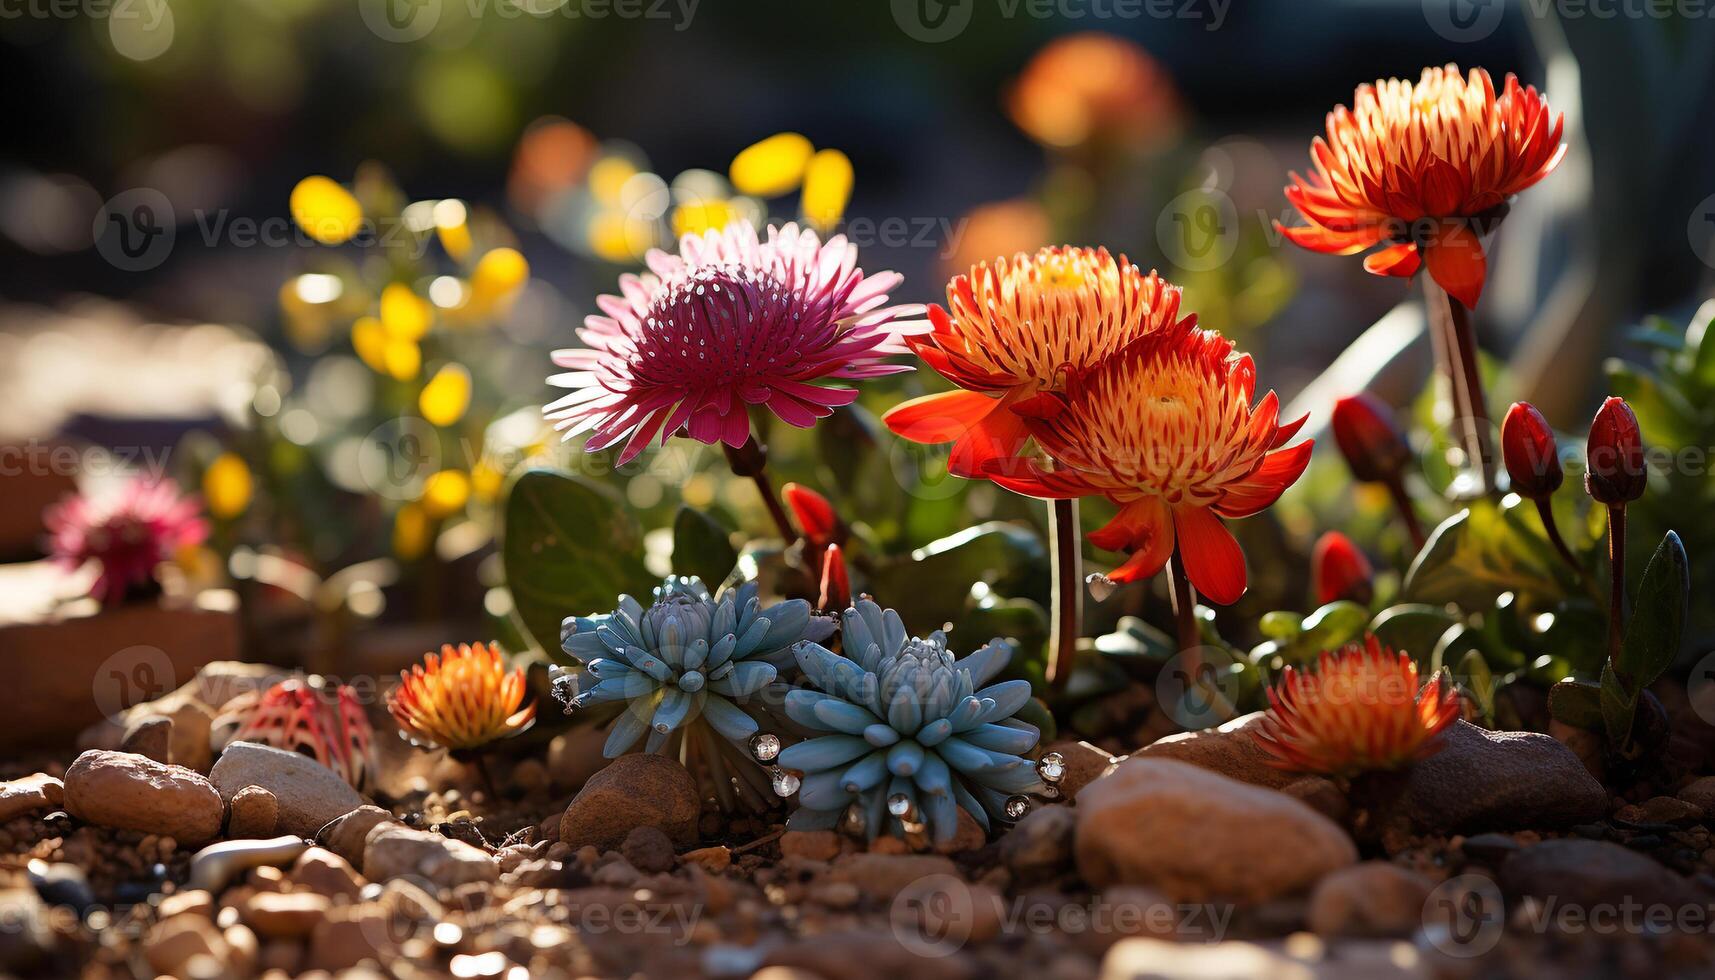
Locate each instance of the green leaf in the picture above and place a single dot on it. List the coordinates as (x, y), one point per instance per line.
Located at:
(1473, 674)
(933, 584)
(702, 547)
(1657, 626)
(1334, 625)
(1578, 704)
(1412, 627)
(569, 548)
(1021, 622)
(1619, 709)
(1280, 624)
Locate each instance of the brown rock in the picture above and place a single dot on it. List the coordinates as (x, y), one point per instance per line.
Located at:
(255, 813)
(575, 756)
(814, 845)
(968, 835)
(885, 875)
(865, 955)
(1374, 898)
(172, 944)
(1041, 844)
(1482, 780)
(191, 720)
(1164, 959)
(347, 936)
(119, 789)
(1699, 792)
(1197, 835)
(711, 859)
(347, 834)
(1230, 750)
(1661, 809)
(191, 900)
(640, 790)
(1588, 873)
(284, 916)
(325, 873)
(29, 795)
(150, 736)
(395, 850)
(648, 850)
(1085, 763)
(1320, 795)
(309, 794)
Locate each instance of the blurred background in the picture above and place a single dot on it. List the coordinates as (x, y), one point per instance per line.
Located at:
(350, 395)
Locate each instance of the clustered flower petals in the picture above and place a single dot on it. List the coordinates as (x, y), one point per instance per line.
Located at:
(730, 322)
(1016, 327)
(1361, 709)
(310, 717)
(462, 699)
(1419, 168)
(128, 534)
(906, 732)
(1166, 429)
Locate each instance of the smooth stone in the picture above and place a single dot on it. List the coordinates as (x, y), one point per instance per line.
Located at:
(648, 849)
(395, 850)
(1196, 835)
(1660, 810)
(213, 867)
(1162, 959)
(1482, 780)
(639, 790)
(60, 884)
(30, 794)
(1041, 844)
(886, 875)
(1587, 873)
(255, 813)
(133, 792)
(325, 873)
(1374, 898)
(1231, 750)
(813, 845)
(1699, 792)
(1085, 763)
(150, 736)
(347, 833)
(284, 915)
(309, 794)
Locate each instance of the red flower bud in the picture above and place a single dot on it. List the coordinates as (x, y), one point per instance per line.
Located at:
(1615, 455)
(1531, 455)
(1373, 445)
(814, 514)
(836, 585)
(1340, 570)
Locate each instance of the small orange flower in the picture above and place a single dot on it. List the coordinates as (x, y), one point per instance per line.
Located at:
(1426, 168)
(1016, 327)
(1166, 430)
(1362, 709)
(461, 699)
(1095, 87)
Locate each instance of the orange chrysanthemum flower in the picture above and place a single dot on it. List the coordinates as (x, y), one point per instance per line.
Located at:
(1095, 87)
(1426, 168)
(461, 699)
(1362, 709)
(1166, 430)
(1015, 327)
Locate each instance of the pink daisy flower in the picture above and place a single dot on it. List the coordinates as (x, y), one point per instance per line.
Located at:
(128, 533)
(731, 321)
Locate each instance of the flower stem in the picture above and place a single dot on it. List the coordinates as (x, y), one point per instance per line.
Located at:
(1184, 612)
(1068, 577)
(1617, 583)
(1407, 510)
(1470, 408)
(751, 460)
(1546, 510)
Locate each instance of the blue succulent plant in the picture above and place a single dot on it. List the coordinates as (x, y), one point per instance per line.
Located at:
(687, 669)
(911, 735)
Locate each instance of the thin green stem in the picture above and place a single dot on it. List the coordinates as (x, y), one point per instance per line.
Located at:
(1452, 321)
(751, 460)
(1617, 583)
(1545, 509)
(1184, 596)
(1407, 510)
(1067, 576)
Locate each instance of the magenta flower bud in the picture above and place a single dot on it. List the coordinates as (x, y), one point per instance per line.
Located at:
(1615, 455)
(1373, 445)
(1530, 452)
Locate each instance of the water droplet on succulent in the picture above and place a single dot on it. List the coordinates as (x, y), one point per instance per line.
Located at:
(856, 823)
(899, 804)
(1051, 767)
(1100, 586)
(1017, 806)
(785, 782)
(765, 746)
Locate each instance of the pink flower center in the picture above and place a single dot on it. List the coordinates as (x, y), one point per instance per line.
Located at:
(725, 327)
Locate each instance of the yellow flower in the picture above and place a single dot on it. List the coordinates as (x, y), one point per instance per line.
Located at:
(445, 398)
(326, 211)
(226, 486)
(445, 493)
(827, 188)
(404, 314)
(771, 167)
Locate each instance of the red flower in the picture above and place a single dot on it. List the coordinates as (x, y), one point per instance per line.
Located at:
(1340, 570)
(1373, 445)
(1421, 168)
(1615, 455)
(1166, 430)
(310, 717)
(127, 534)
(1360, 710)
(815, 515)
(1016, 327)
(1530, 452)
(836, 591)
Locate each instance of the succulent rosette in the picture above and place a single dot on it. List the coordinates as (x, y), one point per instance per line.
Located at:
(908, 735)
(690, 671)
